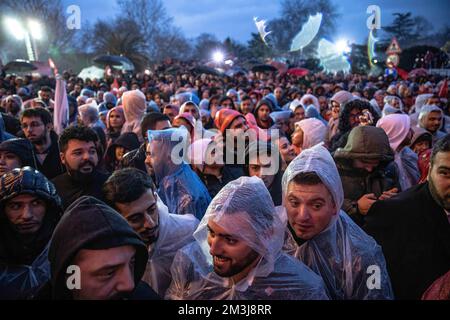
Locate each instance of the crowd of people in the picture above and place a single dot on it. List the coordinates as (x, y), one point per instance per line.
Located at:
(172, 184)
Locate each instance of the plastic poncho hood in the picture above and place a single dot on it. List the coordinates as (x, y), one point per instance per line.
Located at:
(342, 252)
(178, 186)
(175, 231)
(244, 209)
(314, 132)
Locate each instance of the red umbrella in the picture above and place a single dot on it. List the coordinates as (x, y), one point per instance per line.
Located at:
(421, 72)
(299, 72)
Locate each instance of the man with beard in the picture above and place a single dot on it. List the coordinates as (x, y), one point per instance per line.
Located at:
(37, 126)
(80, 156)
(414, 228)
(93, 243)
(45, 95)
(430, 119)
(237, 253)
(132, 193)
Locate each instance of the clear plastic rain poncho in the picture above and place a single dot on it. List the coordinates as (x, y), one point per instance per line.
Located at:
(392, 105)
(244, 209)
(314, 132)
(175, 232)
(343, 253)
(178, 186)
(23, 281)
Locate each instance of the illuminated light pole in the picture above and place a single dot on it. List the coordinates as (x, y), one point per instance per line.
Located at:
(30, 34)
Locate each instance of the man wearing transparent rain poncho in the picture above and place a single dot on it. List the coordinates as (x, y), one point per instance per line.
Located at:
(180, 189)
(323, 237)
(237, 253)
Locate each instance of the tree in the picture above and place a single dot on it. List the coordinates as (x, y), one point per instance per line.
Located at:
(173, 45)
(257, 48)
(205, 45)
(154, 21)
(51, 14)
(294, 14)
(118, 37)
(408, 30)
(235, 49)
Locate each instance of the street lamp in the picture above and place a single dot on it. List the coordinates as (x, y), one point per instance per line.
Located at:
(32, 32)
(218, 57)
(342, 46)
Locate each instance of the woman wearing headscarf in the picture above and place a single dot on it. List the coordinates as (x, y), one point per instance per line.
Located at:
(399, 132)
(115, 119)
(338, 100)
(307, 134)
(134, 107)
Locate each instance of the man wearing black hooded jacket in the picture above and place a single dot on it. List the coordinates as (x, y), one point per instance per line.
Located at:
(29, 212)
(96, 255)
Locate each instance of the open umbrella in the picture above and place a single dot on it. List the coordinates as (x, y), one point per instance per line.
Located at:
(235, 71)
(92, 72)
(173, 69)
(264, 68)
(206, 70)
(117, 62)
(420, 72)
(299, 72)
(19, 66)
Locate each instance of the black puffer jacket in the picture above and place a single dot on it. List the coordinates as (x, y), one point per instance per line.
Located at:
(365, 143)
